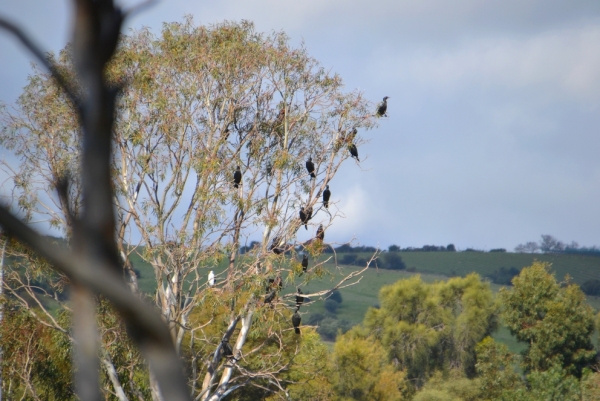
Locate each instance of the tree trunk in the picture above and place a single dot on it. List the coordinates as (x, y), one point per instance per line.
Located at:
(1, 307)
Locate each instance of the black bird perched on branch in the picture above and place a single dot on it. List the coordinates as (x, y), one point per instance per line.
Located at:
(303, 217)
(326, 196)
(382, 108)
(227, 350)
(353, 151)
(320, 233)
(296, 319)
(309, 213)
(270, 297)
(275, 246)
(299, 299)
(305, 263)
(237, 177)
(310, 166)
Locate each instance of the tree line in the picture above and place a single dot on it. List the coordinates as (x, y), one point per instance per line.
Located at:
(432, 342)
(550, 244)
(423, 341)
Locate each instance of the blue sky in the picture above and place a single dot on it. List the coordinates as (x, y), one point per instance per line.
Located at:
(492, 136)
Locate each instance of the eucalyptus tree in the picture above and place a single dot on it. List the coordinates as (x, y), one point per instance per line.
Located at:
(552, 318)
(196, 104)
(424, 328)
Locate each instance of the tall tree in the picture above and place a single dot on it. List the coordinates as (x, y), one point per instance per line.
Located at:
(198, 102)
(555, 321)
(428, 327)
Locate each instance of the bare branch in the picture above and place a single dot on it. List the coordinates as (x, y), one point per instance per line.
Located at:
(39, 54)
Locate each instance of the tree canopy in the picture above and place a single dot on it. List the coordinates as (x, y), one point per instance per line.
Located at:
(197, 103)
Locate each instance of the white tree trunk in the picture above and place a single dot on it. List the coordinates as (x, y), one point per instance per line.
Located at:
(228, 371)
(114, 378)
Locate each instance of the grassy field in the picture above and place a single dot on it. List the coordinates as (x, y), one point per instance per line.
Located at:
(580, 267)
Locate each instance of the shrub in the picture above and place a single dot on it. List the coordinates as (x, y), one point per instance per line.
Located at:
(329, 327)
(331, 306)
(393, 261)
(349, 259)
(503, 275)
(591, 287)
(336, 296)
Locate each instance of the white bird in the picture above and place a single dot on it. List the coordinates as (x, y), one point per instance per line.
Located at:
(211, 278)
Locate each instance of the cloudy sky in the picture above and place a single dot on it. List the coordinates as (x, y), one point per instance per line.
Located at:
(492, 136)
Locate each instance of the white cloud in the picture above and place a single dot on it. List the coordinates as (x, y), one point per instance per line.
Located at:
(563, 62)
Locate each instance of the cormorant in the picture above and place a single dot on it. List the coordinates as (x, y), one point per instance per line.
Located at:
(353, 151)
(270, 284)
(320, 233)
(237, 177)
(303, 218)
(275, 246)
(299, 298)
(211, 278)
(305, 263)
(270, 297)
(382, 107)
(326, 196)
(296, 319)
(309, 213)
(310, 166)
(227, 351)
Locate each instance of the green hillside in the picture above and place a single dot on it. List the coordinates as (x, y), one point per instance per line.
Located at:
(580, 267)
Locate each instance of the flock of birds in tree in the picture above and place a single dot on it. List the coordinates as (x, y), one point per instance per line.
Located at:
(276, 284)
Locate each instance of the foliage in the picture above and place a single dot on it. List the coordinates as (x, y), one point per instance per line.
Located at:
(392, 261)
(529, 247)
(590, 386)
(36, 360)
(555, 322)
(336, 296)
(331, 306)
(451, 385)
(425, 328)
(354, 259)
(495, 370)
(328, 326)
(503, 275)
(550, 244)
(554, 384)
(591, 287)
(347, 248)
(199, 101)
(361, 371)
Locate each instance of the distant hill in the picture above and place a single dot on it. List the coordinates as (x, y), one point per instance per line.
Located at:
(581, 268)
